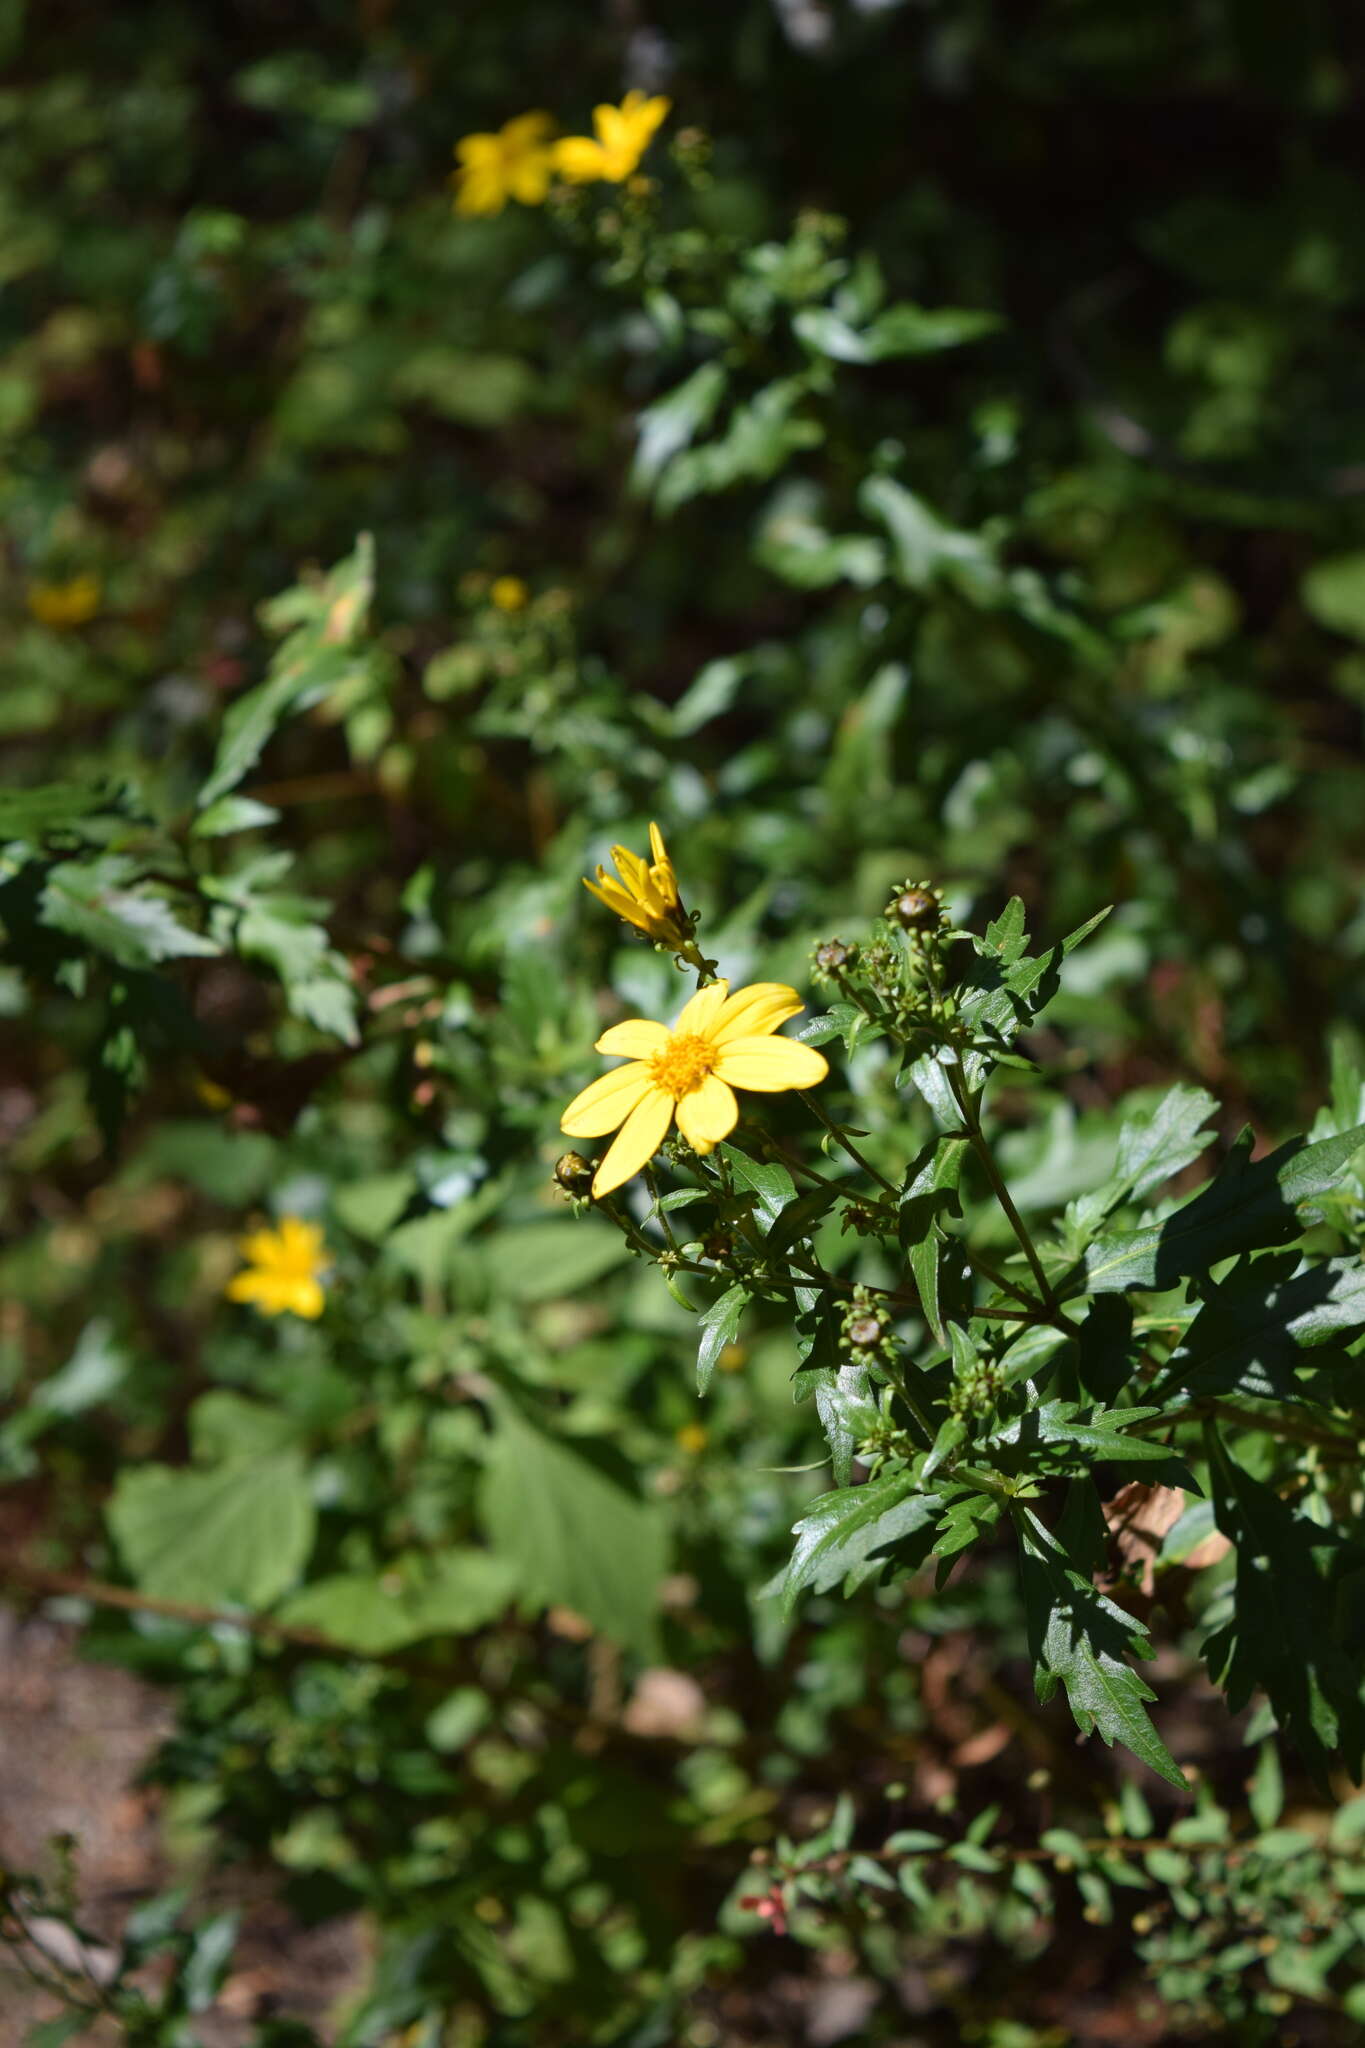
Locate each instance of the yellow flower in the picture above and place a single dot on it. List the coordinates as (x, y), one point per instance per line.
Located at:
(647, 893)
(281, 1273)
(515, 163)
(63, 605)
(624, 133)
(720, 1042)
(508, 593)
(691, 1438)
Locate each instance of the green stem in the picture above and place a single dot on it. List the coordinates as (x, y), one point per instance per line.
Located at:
(977, 1139)
(841, 1138)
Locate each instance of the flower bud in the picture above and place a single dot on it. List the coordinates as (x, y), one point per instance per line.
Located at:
(574, 1174)
(915, 909)
(864, 1332)
(834, 955)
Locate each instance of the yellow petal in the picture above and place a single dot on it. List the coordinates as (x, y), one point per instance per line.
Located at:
(700, 1014)
(580, 159)
(606, 1102)
(300, 1240)
(529, 180)
(529, 129)
(760, 1007)
(638, 1139)
(770, 1064)
(245, 1286)
(306, 1299)
(636, 1039)
(708, 1114)
(614, 896)
(258, 1247)
(633, 872)
(657, 847)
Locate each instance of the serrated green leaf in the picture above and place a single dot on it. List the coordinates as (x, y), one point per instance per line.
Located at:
(768, 1182)
(719, 1324)
(1285, 1632)
(1245, 1207)
(840, 1532)
(107, 904)
(1249, 1335)
(1082, 1640)
(674, 421)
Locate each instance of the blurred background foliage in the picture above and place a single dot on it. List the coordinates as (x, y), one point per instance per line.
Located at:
(950, 463)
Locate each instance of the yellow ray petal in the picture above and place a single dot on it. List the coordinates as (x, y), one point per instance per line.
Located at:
(614, 896)
(246, 1286)
(306, 1299)
(657, 847)
(768, 1065)
(636, 1039)
(638, 1139)
(699, 1015)
(708, 1114)
(606, 1102)
(760, 1007)
(580, 159)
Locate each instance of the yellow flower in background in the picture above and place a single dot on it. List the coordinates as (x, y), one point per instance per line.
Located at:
(647, 893)
(515, 163)
(509, 593)
(64, 605)
(624, 133)
(281, 1273)
(720, 1042)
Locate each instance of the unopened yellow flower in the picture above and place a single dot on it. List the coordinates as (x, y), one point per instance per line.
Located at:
(720, 1042)
(624, 133)
(515, 163)
(508, 593)
(63, 605)
(647, 893)
(281, 1273)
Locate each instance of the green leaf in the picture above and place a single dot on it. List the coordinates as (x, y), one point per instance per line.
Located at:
(225, 1425)
(1062, 1436)
(1246, 1206)
(107, 905)
(840, 1533)
(925, 549)
(673, 422)
(719, 1324)
(1265, 1793)
(1288, 1633)
(1333, 593)
(1154, 1146)
(770, 1184)
(1248, 1336)
(37, 814)
(540, 1261)
(906, 330)
(235, 1536)
(576, 1537)
(759, 438)
(327, 616)
(848, 1414)
(1082, 1640)
(232, 814)
(1005, 935)
(449, 1594)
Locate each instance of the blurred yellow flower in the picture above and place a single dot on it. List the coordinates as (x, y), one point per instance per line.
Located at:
(281, 1273)
(515, 163)
(691, 1438)
(509, 593)
(720, 1042)
(624, 133)
(647, 893)
(63, 605)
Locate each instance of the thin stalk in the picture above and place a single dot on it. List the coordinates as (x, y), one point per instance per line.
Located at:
(840, 1137)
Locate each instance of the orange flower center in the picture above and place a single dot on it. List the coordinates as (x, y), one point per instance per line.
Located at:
(683, 1064)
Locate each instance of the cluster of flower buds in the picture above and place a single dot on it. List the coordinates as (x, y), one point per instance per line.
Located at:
(976, 1389)
(865, 1332)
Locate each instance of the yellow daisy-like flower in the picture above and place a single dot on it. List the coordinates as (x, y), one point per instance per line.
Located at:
(281, 1273)
(720, 1042)
(64, 605)
(508, 593)
(624, 133)
(515, 163)
(647, 893)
